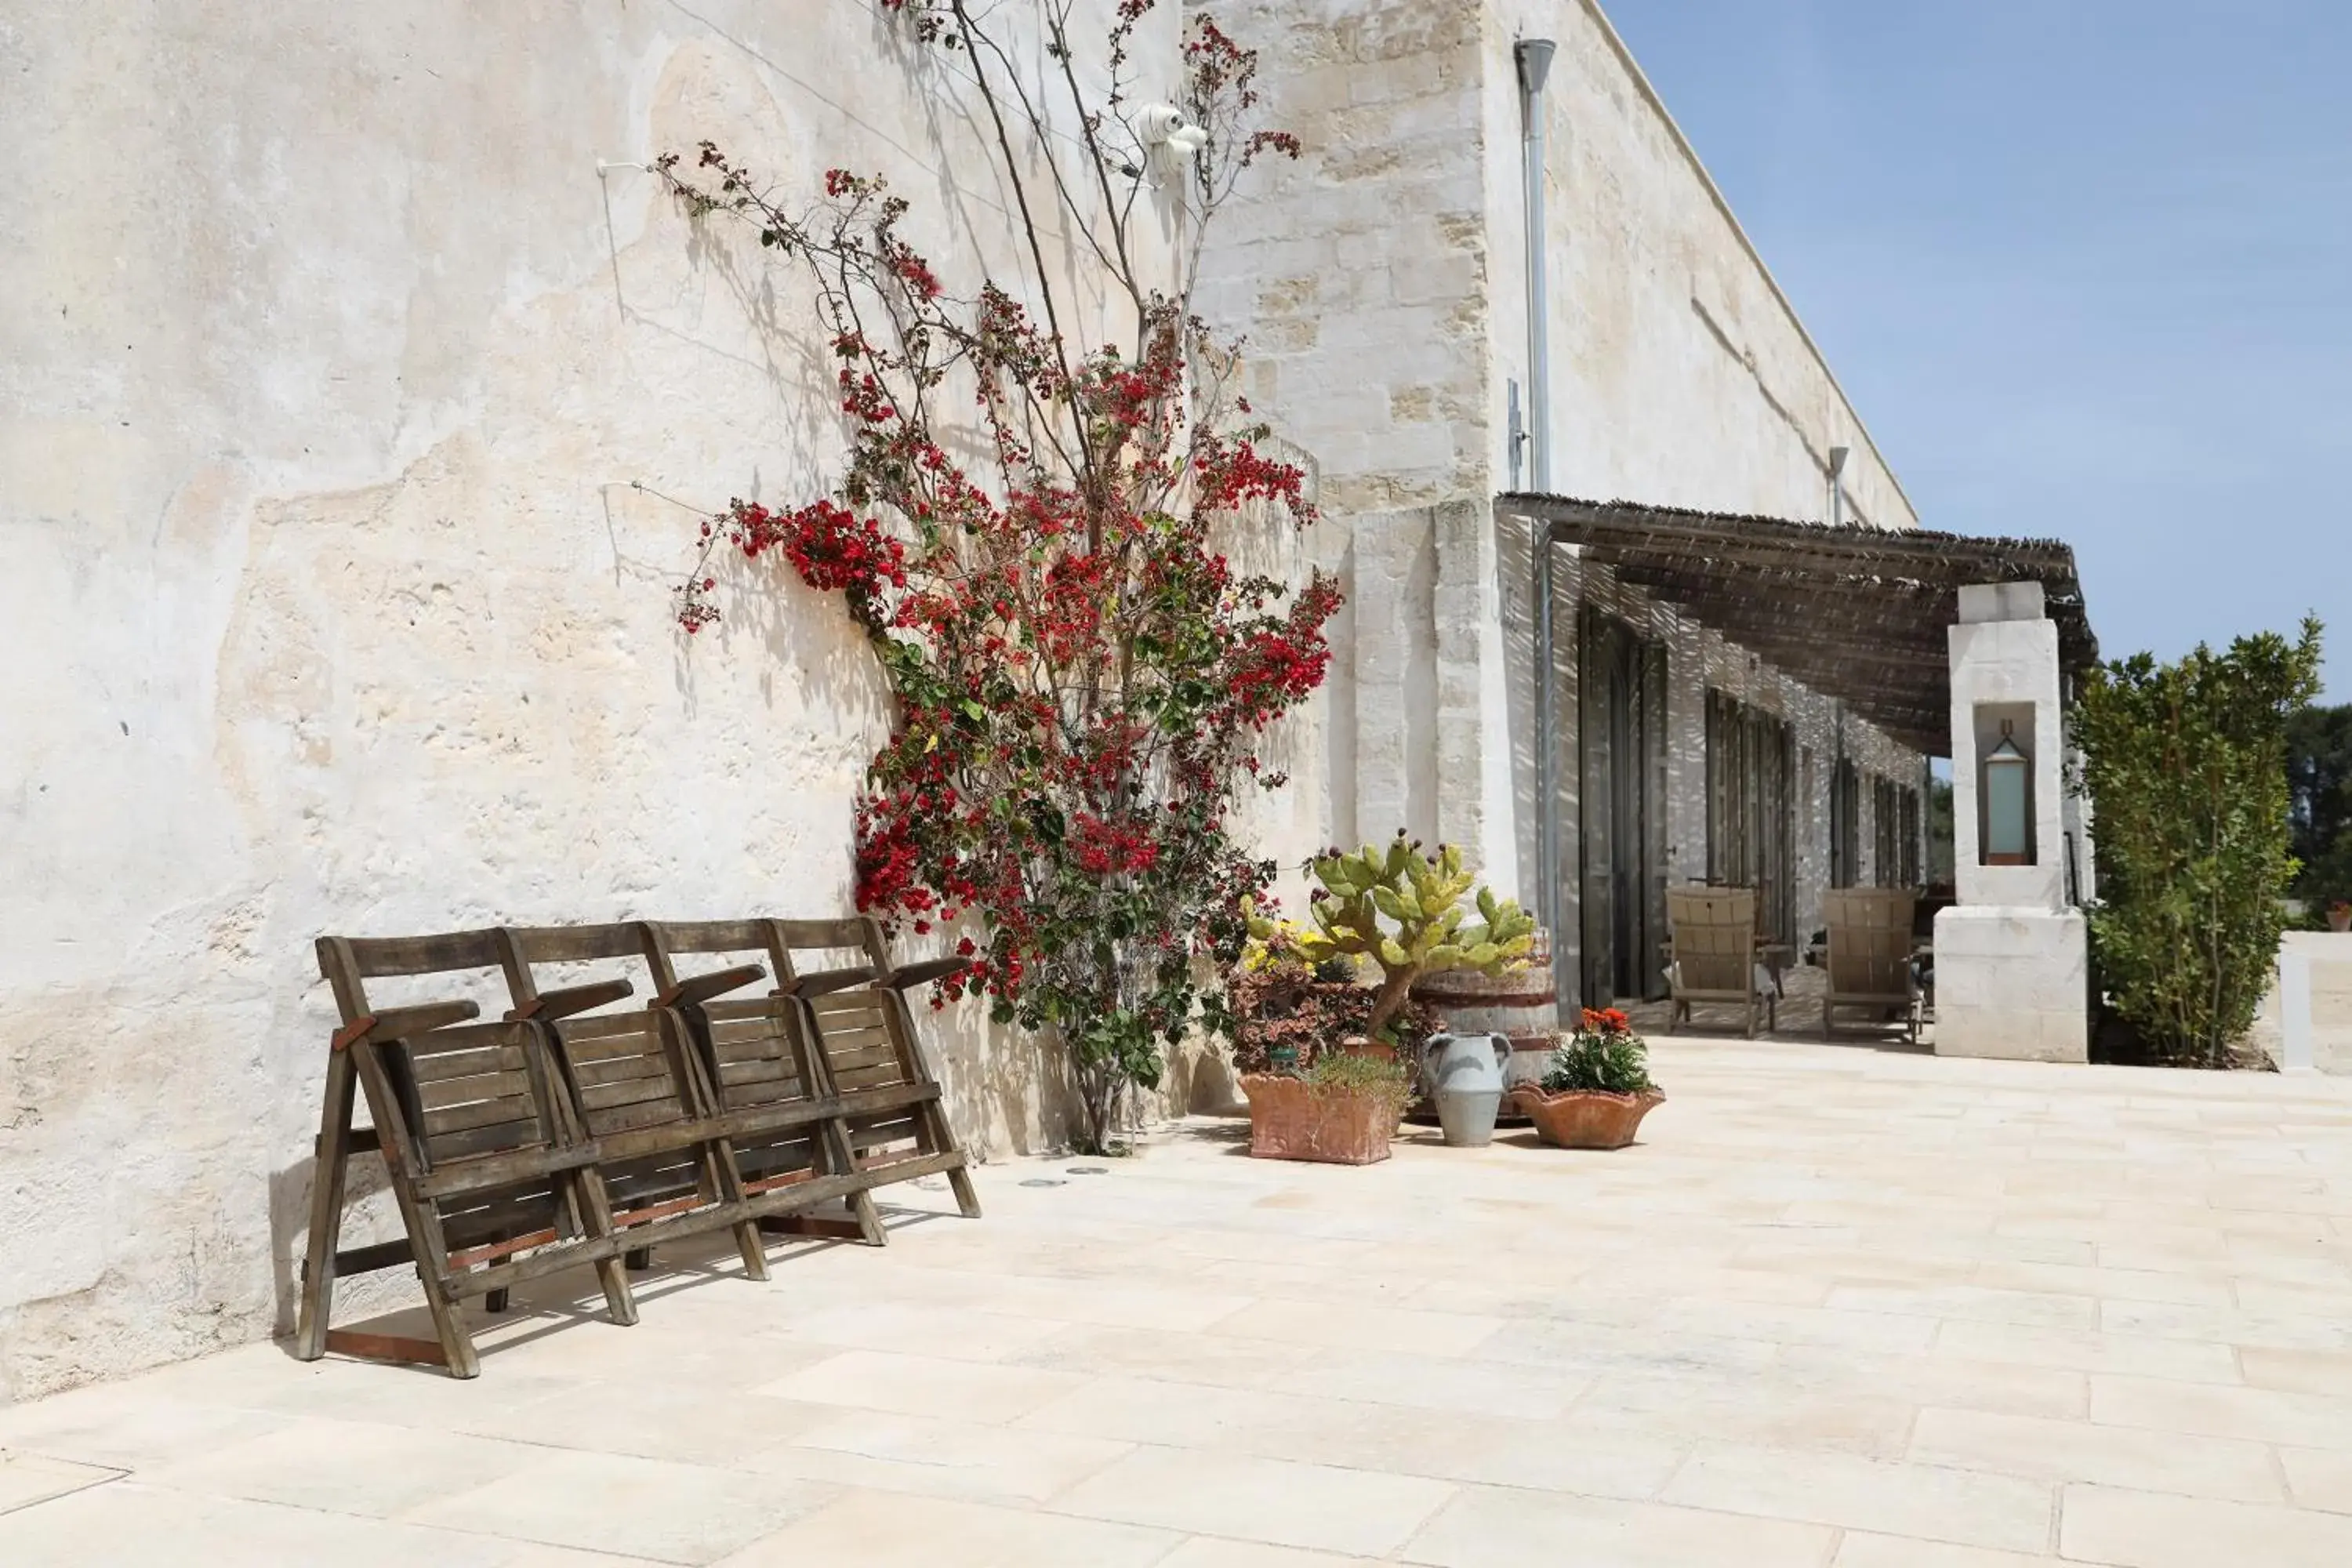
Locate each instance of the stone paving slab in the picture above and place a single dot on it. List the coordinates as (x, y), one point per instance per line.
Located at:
(1841, 1308)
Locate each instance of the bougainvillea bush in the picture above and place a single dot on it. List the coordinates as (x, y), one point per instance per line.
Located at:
(1028, 530)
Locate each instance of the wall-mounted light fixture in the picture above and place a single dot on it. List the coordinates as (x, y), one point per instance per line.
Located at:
(2008, 802)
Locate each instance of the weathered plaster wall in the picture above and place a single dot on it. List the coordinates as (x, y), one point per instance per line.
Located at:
(329, 368)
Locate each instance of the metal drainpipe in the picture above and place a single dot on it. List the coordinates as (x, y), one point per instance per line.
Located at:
(1533, 57)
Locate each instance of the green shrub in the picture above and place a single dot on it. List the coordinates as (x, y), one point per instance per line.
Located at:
(2186, 767)
(1344, 1072)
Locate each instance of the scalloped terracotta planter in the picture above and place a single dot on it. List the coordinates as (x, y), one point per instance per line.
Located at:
(1588, 1118)
(1289, 1120)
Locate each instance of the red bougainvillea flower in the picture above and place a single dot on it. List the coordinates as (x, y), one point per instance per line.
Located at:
(1032, 532)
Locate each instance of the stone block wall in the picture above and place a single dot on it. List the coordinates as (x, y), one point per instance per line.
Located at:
(2011, 984)
(1361, 273)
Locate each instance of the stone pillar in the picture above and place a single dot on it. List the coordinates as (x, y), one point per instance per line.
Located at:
(2011, 976)
(1473, 701)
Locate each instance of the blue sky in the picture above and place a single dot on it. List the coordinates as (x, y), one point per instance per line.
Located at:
(2084, 266)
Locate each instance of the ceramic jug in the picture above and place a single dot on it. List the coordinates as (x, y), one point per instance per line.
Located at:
(1465, 1079)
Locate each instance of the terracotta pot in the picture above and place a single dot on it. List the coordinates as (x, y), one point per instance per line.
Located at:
(2339, 920)
(1291, 1120)
(1588, 1118)
(1357, 1045)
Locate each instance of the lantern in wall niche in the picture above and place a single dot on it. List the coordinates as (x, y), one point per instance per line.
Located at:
(2008, 782)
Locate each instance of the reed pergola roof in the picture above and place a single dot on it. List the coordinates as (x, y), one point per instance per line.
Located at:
(1854, 612)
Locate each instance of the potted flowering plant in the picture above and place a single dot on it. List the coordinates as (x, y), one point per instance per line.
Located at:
(1309, 1097)
(1597, 1088)
(2340, 915)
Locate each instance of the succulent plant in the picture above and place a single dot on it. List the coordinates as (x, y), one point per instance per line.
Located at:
(1404, 911)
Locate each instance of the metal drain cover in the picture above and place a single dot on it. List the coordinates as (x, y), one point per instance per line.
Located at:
(1044, 1182)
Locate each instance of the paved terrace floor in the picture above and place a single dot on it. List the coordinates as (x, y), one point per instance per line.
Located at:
(1842, 1306)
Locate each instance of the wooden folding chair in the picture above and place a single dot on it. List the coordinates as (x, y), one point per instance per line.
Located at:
(784, 1119)
(1715, 954)
(866, 1047)
(485, 1163)
(1869, 956)
(637, 1089)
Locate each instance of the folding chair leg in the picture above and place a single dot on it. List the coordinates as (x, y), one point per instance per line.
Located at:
(456, 1342)
(723, 1179)
(620, 1301)
(833, 1138)
(966, 1197)
(318, 1285)
(596, 1221)
(941, 1138)
(426, 1241)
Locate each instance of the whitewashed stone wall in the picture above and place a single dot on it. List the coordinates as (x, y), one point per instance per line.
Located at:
(1381, 283)
(329, 371)
(2327, 957)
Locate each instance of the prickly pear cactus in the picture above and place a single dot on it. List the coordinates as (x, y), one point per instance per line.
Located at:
(1404, 911)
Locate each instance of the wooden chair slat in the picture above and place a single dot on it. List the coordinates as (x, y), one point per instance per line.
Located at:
(595, 1029)
(763, 1031)
(624, 1094)
(374, 957)
(712, 936)
(439, 1121)
(473, 1062)
(439, 1093)
(575, 944)
(864, 1053)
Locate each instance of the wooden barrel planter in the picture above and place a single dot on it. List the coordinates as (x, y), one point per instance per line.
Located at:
(1519, 1005)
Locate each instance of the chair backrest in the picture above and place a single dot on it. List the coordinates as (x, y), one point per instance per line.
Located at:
(471, 1091)
(626, 1070)
(1869, 941)
(1713, 932)
(754, 1047)
(348, 962)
